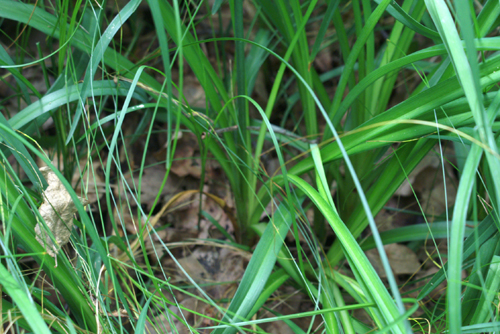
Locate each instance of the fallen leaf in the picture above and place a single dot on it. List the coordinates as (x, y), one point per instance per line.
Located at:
(57, 211)
(402, 259)
(431, 186)
(152, 178)
(430, 160)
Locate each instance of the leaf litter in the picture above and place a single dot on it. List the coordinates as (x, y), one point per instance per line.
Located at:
(57, 211)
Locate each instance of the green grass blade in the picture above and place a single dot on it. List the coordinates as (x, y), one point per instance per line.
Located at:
(96, 58)
(437, 230)
(60, 98)
(244, 190)
(25, 304)
(489, 327)
(487, 17)
(485, 230)
(380, 295)
(273, 283)
(23, 83)
(23, 157)
(256, 57)
(349, 65)
(324, 192)
(330, 10)
(484, 311)
(141, 322)
(216, 6)
(466, 69)
(402, 16)
(259, 269)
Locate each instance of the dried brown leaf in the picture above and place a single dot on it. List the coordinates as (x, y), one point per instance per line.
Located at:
(402, 259)
(57, 211)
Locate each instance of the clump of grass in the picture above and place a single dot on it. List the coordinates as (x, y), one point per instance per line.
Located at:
(336, 151)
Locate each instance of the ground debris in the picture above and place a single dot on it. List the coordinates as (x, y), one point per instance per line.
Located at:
(57, 211)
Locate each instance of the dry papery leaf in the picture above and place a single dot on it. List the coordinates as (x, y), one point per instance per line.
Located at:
(152, 178)
(57, 211)
(430, 160)
(402, 259)
(185, 162)
(428, 183)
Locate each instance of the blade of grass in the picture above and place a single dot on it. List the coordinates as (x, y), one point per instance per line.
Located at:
(402, 16)
(487, 17)
(477, 287)
(327, 196)
(23, 301)
(259, 268)
(96, 58)
(60, 98)
(412, 233)
(273, 94)
(23, 157)
(349, 65)
(484, 310)
(330, 10)
(379, 294)
(467, 71)
(485, 230)
(23, 83)
(266, 257)
(141, 322)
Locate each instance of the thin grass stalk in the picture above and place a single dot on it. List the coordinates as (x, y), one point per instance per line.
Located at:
(96, 57)
(397, 47)
(467, 71)
(367, 274)
(63, 14)
(349, 65)
(244, 192)
(355, 119)
(272, 100)
(344, 46)
(301, 63)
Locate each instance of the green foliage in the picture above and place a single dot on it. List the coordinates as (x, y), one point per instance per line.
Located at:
(341, 142)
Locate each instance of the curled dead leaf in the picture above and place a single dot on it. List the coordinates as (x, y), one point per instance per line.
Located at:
(57, 210)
